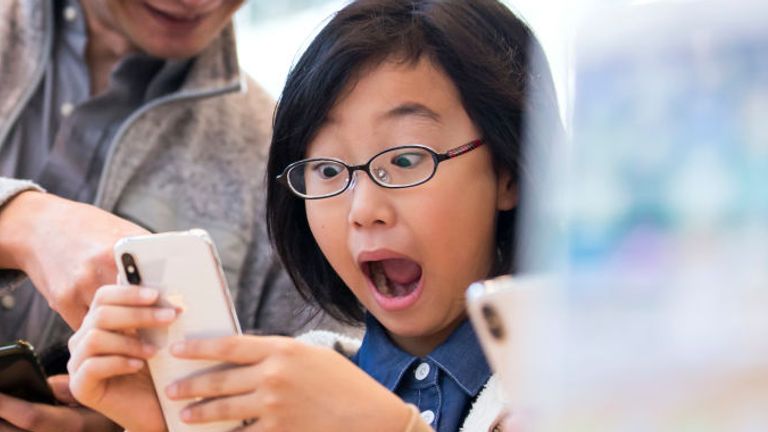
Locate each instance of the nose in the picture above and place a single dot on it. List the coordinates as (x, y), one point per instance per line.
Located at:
(371, 205)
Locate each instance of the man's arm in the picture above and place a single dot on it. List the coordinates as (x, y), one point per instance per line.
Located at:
(9, 234)
(63, 246)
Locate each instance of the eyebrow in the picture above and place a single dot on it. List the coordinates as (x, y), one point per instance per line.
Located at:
(412, 109)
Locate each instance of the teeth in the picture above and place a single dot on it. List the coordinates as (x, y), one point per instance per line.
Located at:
(380, 278)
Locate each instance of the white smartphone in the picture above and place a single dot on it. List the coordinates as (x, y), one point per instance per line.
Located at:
(184, 266)
(503, 312)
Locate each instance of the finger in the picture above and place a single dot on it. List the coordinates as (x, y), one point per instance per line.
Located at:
(238, 407)
(85, 383)
(227, 382)
(124, 318)
(125, 295)
(60, 386)
(241, 349)
(97, 342)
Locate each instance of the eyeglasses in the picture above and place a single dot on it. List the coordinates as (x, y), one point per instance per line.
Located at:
(395, 168)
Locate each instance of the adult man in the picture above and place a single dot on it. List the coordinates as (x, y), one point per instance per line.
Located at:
(138, 107)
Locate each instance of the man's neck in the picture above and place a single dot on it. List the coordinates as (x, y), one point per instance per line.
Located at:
(106, 45)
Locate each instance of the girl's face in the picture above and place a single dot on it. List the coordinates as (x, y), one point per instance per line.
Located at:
(409, 254)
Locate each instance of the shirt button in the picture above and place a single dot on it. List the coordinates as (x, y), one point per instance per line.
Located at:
(8, 302)
(66, 109)
(422, 371)
(428, 416)
(70, 13)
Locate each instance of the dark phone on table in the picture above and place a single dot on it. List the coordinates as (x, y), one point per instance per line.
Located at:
(21, 375)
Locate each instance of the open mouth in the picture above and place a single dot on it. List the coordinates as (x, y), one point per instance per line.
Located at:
(393, 278)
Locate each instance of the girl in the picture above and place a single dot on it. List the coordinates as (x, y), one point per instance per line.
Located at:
(394, 174)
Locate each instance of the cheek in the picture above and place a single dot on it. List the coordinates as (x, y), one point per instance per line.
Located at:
(459, 230)
(328, 226)
(319, 222)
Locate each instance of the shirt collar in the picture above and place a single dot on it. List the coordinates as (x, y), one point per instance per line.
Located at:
(460, 357)
(380, 357)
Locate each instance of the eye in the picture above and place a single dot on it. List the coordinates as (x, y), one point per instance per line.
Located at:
(327, 170)
(407, 160)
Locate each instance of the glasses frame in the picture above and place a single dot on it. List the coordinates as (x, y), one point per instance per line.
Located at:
(366, 167)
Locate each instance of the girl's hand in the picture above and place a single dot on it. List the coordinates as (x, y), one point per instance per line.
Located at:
(107, 368)
(283, 384)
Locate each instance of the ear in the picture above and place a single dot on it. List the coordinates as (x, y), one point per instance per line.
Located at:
(506, 192)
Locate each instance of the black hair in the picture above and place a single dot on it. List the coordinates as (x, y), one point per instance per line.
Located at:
(480, 45)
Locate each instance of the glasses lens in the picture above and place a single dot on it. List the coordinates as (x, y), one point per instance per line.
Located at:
(317, 178)
(404, 166)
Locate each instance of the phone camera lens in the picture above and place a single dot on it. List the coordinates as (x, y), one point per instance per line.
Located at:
(493, 321)
(131, 271)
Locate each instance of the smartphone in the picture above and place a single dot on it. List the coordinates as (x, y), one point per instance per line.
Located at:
(503, 312)
(21, 375)
(185, 268)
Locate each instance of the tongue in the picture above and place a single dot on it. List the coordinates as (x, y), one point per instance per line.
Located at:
(401, 271)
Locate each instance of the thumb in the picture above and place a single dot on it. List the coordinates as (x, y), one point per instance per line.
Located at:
(60, 386)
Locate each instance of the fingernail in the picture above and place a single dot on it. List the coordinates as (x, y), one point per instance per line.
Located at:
(165, 314)
(135, 364)
(147, 293)
(172, 390)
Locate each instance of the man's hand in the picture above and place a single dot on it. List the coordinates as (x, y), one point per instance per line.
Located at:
(63, 246)
(19, 415)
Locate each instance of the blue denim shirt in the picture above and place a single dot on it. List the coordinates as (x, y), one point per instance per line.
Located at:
(443, 384)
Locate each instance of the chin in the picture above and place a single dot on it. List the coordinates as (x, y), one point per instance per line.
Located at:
(407, 327)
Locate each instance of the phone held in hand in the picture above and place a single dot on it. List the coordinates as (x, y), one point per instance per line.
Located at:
(21, 375)
(185, 268)
(505, 314)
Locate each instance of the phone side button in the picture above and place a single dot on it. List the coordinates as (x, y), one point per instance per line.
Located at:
(7, 302)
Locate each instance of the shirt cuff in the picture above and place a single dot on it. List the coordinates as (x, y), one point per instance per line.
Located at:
(9, 188)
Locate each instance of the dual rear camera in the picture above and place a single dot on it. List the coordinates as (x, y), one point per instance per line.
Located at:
(493, 321)
(131, 270)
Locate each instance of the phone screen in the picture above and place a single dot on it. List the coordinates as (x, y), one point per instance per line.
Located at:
(21, 375)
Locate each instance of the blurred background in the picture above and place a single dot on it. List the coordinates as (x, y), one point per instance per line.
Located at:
(271, 35)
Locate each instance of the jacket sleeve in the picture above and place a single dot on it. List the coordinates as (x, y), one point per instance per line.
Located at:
(9, 188)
